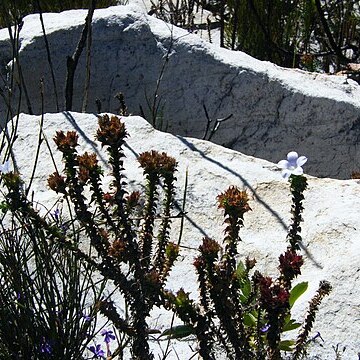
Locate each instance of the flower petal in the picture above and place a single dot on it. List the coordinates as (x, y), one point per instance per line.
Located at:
(286, 173)
(298, 171)
(292, 157)
(283, 164)
(301, 160)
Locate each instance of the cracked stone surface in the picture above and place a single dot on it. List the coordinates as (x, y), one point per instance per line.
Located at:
(330, 230)
(275, 110)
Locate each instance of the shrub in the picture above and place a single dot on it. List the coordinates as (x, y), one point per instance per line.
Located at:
(48, 295)
(135, 257)
(314, 35)
(240, 310)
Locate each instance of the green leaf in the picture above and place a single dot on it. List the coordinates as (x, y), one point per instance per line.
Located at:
(245, 287)
(250, 320)
(297, 291)
(290, 325)
(241, 271)
(178, 332)
(287, 345)
(4, 207)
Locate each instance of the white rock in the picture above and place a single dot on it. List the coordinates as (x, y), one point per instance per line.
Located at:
(330, 230)
(275, 110)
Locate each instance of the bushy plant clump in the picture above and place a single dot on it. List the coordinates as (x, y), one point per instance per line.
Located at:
(48, 295)
(134, 257)
(243, 311)
(313, 35)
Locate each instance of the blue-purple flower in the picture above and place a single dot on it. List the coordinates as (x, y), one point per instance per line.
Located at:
(45, 347)
(108, 335)
(86, 317)
(97, 351)
(56, 215)
(293, 164)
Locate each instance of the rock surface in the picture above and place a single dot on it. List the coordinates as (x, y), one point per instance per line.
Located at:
(274, 110)
(330, 230)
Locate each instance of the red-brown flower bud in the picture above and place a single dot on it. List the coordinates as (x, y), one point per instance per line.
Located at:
(234, 201)
(57, 183)
(154, 162)
(66, 142)
(209, 249)
(111, 131)
(290, 264)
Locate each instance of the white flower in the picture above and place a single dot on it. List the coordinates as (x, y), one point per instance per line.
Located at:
(5, 167)
(293, 164)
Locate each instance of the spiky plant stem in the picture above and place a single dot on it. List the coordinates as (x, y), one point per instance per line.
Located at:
(98, 196)
(298, 185)
(323, 290)
(163, 235)
(149, 213)
(190, 314)
(235, 205)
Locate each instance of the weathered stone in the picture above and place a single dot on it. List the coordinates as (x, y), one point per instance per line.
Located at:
(274, 109)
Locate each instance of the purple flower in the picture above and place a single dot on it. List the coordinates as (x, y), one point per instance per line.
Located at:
(317, 335)
(56, 214)
(293, 164)
(108, 335)
(86, 317)
(45, 347)
(96, 350)
(265, 328)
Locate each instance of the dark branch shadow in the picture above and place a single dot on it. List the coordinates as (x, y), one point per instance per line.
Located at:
(177, 205)
(188, 218)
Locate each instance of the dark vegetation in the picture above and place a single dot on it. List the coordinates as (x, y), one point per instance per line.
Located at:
(12, 11)
(319, 35)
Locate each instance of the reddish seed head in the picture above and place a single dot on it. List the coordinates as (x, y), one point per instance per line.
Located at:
(66, 142)
(272, 296)
(153, 278)
(209, 248)
(290, 264)
(108, 197)
(234, 201)
(250, 263)
(199, 263)
(88, 161)
(57, 183)
(154, 162)
(118, 249)
(111, 131)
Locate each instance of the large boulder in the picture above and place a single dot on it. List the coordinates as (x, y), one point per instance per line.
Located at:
(158, 66)
(330, 230)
